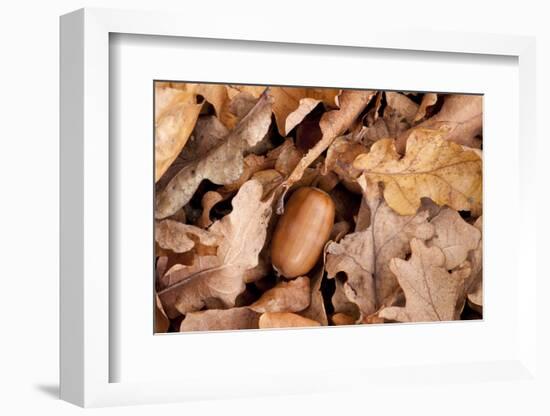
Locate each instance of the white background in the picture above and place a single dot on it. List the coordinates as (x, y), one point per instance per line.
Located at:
(29, 170)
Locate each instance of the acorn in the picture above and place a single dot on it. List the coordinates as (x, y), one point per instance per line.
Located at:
(302, 231)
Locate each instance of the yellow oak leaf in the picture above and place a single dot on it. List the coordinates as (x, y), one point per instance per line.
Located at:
(432, 167)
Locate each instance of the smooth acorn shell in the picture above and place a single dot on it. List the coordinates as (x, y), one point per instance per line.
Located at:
(302, 232)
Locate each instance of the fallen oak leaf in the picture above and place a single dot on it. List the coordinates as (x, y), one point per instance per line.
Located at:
(432, 167)
(333, 123)
(176, 112)
(431, 292)
(291, 105)
(177, 237)
(241, 236)
(221, 165)
(208, 133)
(454, 236)
(364, 256)
(340, 156)
(291, 296)
(462, 115)
(220, 319)
(285, 320)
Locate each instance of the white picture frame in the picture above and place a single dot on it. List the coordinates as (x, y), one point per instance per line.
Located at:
(86, 352)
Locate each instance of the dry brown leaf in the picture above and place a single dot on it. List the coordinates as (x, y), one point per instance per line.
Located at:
(431, 292)
(236, 107)
(454, 236)
(340, 156)
(241, 236)
(402, 105)
(291, 296)
(285, 320)
(252, 164)
(269, 178)
(333, 124)
(220, 319)
(291, 105)
(221, 165)
(432, 167)
(429, 99)
(179, 238)
(176, 113)
(461, 115)
(364, 256)
(288, 158)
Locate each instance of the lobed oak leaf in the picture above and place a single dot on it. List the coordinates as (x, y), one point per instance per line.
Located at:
(432, 167)
(364, 256)
(221, 165)
(179, 238)
(241, 236)
(333, 124)
(454, 236)
(431, 292)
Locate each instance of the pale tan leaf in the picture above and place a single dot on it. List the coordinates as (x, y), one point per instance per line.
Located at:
(364, 256)
(291, 104)
(241, 236)
(176, 113)
(220, 319)
(179, 238)
(460, 115)
(454, 236)
(285, 320)
(221, 165)
(431, 292)
(252, 164)
(340, 156)
(291, 296)
(432, 167)
(333, 124)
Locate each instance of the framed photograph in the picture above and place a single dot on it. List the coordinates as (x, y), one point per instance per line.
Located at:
(286, 213)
